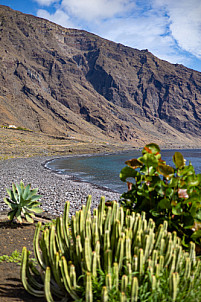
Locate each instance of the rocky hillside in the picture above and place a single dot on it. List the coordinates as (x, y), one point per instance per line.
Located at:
(64, 81)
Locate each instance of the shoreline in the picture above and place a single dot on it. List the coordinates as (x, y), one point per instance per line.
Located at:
(55, 188)
(76, 178)
(81, 179)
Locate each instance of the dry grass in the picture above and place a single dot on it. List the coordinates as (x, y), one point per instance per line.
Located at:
(19, 143)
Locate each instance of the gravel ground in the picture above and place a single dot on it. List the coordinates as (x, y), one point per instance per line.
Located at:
(55, 188)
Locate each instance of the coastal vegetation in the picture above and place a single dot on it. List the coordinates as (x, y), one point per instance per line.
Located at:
(165, 193)
(144, 247)
(23, 202)
(15, 257)
(72, 92)
(112, 255)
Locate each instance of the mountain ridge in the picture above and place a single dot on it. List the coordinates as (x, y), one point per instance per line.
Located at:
(66, 81)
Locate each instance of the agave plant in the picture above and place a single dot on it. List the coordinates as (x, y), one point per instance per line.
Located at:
(23, 202)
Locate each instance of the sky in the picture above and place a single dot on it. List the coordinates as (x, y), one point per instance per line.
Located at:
(169, 29)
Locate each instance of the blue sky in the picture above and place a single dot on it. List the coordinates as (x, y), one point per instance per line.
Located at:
(170, 29)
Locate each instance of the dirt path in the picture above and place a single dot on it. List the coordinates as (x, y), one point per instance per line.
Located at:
(14, 238)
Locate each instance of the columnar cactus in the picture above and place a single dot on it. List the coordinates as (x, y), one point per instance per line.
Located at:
(124, 248)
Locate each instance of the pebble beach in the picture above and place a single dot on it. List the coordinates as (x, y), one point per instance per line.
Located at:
(55, 188)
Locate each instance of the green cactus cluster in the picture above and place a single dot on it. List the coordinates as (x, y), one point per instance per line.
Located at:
(120, 250)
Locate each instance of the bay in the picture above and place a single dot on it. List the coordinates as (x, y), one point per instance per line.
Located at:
(103, 170)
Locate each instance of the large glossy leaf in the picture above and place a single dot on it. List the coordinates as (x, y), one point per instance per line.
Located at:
(188, 221)
(198, 216)
(193, 210)
(159, 190)
(178, 160)
(173, 182)
(164, 204)
(155, 180)
(155, 213)
(127, 172)
(165, 170)
(134, 163)
(169, 192)
(196, 235)
(149, 160)
(187, 171)
(151, 148)
(177, 210)
(152, 171)
(193, 183)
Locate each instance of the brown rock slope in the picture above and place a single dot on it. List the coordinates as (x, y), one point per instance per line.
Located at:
(62, 81)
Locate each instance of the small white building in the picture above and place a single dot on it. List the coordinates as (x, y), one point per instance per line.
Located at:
(12, 126)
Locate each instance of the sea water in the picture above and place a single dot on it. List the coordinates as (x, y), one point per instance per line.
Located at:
(103, 170)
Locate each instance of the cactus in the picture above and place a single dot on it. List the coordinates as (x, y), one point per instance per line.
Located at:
(134, 290)
(125, 248)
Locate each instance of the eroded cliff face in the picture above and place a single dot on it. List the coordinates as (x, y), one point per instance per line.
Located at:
(61, 81)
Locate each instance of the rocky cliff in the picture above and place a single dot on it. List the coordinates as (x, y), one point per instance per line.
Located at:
(63, 81)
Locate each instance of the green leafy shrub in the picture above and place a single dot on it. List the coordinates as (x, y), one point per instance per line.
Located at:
(23, 202)
(15, 257)
(110, 256)
(164, 192)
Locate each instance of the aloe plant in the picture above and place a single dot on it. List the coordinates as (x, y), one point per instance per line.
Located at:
(23, 202)
(109, 256)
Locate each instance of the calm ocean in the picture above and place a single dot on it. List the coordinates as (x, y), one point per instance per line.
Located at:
(103, 170)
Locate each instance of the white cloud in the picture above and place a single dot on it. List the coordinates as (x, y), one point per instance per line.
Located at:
(58, 17)
(142, 32)
(185, 18)
(46, 2)
(170, 29)
(97, 9)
